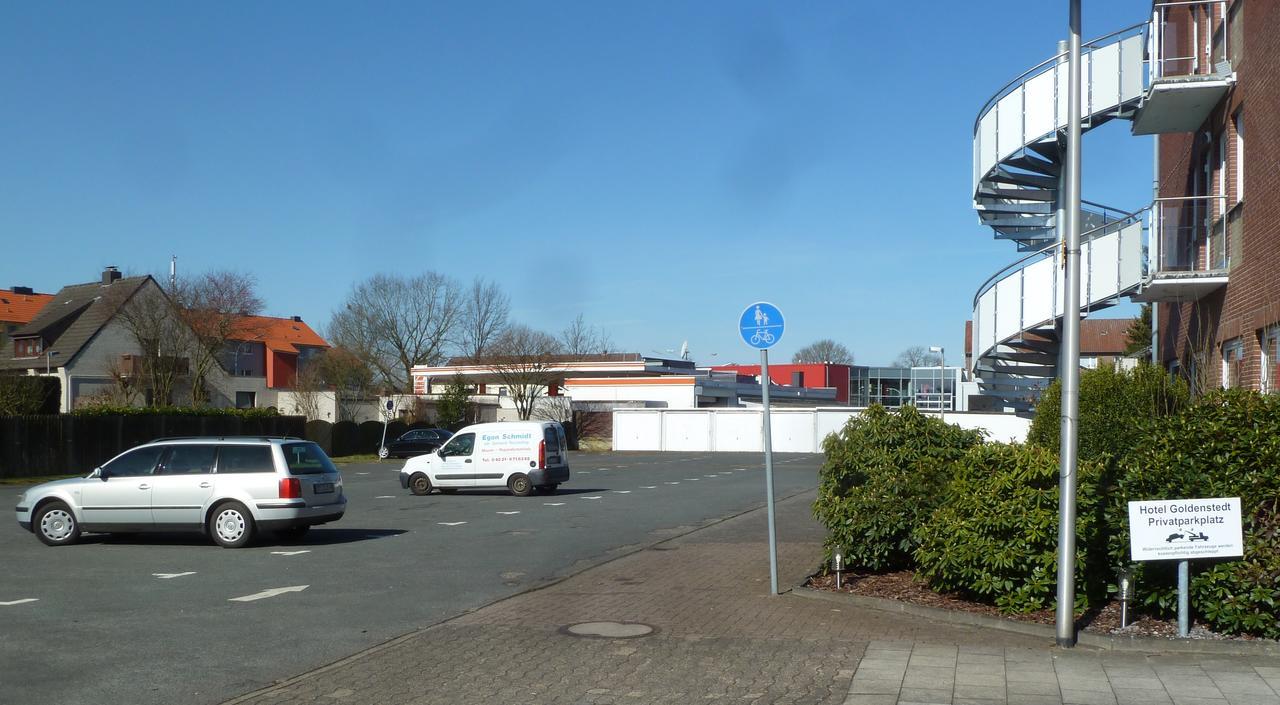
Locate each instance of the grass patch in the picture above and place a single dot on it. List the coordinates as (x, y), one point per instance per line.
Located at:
(595, 445)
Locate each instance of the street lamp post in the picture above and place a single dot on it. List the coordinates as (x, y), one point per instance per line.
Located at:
(942, 380)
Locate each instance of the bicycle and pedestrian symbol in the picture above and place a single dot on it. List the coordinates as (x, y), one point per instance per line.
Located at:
(761, 325)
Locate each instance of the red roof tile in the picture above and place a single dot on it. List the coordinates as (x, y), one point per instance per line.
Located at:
(280, 334)
(21, 308)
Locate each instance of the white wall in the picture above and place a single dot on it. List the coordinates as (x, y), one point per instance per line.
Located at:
(739, 430)
(672, 396)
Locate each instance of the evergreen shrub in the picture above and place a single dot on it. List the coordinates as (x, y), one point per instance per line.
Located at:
(1225, 445)
(1115, 407)
(994, 537)
(884, 474)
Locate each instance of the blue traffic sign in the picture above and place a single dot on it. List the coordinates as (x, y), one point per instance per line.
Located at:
(761, 325)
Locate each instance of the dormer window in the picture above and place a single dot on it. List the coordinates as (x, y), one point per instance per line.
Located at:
(28, 347)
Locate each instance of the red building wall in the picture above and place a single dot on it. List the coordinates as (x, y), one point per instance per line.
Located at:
(816, 375)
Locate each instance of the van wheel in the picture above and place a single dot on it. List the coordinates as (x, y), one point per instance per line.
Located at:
(520, 485)
(419, 484)
(231, 525)
(55, 525)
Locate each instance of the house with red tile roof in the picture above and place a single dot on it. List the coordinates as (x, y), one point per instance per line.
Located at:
(18, 306)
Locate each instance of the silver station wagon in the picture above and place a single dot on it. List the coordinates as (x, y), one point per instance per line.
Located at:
(228, 488)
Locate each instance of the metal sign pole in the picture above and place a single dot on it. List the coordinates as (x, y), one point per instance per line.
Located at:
(1184, 598)
(768, 473)
(386, 420)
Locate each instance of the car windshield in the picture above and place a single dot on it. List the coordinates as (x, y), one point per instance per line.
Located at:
(306, 459)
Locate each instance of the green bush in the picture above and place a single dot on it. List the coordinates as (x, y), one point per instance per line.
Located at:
(884, 473)
(1115, 406)
(97, 410)
(995, 535)
(1225, 445)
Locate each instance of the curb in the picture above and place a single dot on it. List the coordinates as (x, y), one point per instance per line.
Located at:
(1102, 642)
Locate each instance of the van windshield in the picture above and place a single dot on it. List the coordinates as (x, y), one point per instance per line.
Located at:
(306, 459)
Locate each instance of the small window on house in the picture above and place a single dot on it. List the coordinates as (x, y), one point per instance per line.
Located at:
(1269, 357)
(1232, 361)
(1238, 120)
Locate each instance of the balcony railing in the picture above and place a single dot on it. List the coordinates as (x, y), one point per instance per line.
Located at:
(1188, 39)
(1191, 235)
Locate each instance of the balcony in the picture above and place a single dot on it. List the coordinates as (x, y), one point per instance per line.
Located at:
(1188, 76)
(1191, 251)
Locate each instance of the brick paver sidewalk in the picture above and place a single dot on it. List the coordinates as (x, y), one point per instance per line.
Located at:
(719, 637)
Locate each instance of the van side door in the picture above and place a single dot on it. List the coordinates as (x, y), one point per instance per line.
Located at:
(456, 467)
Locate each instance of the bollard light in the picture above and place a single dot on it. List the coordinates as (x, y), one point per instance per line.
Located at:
(1125, 579)
(837, 562)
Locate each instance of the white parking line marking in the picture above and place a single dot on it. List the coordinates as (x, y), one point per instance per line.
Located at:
(595, 497)
(648, 487)
(290, 553)
(673, 483)
(269, 593)
(553, 504)
(508, 513)
(451, 523)
(712, 476)
(622, 491)
(584, 472)
(362, 473)
(693, 479)
(385, 496)
(171, 576)
(23, 601)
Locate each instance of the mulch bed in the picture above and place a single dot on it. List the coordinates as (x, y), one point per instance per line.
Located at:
(903, 586)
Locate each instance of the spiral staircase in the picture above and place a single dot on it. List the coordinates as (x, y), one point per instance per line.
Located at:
(1019, 145)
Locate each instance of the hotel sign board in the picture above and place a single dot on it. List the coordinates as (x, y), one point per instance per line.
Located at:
(1185, 529)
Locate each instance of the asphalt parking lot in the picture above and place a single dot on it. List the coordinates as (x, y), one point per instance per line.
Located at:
(159, 618)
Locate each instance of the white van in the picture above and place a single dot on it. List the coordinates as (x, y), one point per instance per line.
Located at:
(519, 455)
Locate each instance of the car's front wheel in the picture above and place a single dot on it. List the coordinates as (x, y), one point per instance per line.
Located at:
(231, 525)
(384, 452)
(55, 524)
(420, 484)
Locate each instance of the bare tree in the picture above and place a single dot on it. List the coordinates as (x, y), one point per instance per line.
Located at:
(524, 361)
(158, 328)
(581, 338)
(825, 350)
(917, 356)
(1200, 354)
(214, 305)
(484, 317)
(309, 389)
(394, 323)
(124, 389)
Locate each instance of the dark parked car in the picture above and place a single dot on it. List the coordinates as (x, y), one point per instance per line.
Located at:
(415, 442)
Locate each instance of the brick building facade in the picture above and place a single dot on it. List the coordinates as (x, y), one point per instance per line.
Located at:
(1228, 218)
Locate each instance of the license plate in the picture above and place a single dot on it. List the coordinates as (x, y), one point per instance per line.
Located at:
(323, 488)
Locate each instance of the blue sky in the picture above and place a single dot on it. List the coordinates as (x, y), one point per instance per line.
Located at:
(653, 166)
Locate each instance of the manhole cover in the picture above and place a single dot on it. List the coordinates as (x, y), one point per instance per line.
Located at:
(609, 630)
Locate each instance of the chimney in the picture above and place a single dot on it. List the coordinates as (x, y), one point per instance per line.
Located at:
(109, 275)
(297, 319)
(23, 290)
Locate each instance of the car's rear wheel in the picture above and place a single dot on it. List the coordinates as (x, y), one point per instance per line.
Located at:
(231, 525)
(384, 452)
(420, 484)
(520, 485)
(55, 525)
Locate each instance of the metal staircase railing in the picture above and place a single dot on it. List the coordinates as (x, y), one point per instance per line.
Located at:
(1018, 152)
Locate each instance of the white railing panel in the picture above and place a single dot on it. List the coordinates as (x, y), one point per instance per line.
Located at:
(1060, 288)
(1060, 76)
(1038, 292)
(1009, 123)
(1131, 67)
(986, 144)
(1040, 106)
(987, 316)
(1104, 266)
(1131, 258)
(1105, 88)
(1008, 307)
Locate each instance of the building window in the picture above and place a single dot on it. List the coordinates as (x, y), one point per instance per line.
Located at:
(1232, 359)
(246, 400)
(28, 347)
(1270, 358)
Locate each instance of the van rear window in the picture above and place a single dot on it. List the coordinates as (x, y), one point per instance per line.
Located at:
(306, 459)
